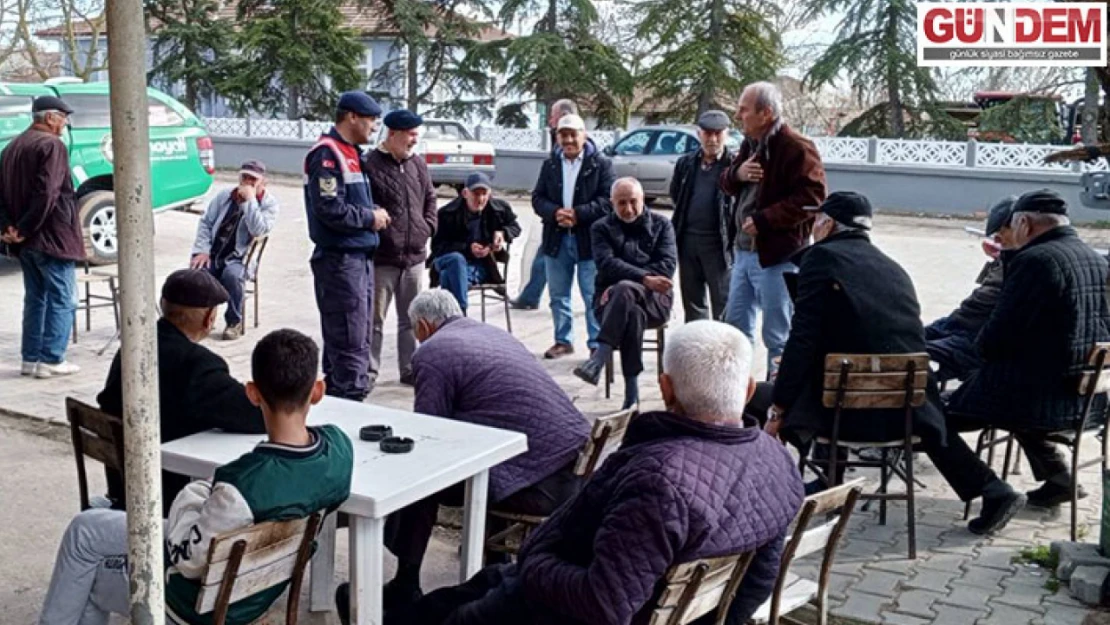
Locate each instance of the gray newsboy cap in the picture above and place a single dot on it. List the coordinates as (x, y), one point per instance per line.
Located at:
(714, 120)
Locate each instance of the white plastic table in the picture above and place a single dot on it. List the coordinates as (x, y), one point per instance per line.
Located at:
(447, 452)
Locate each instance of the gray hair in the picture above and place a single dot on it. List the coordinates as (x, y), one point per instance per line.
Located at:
(627, 180)
(709, 364)
(565, 107)
(434, 306)
(1041, 220)
(839, 227)
(767, 96)
(39, 117)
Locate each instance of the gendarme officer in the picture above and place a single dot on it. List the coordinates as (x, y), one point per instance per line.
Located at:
(344, 225)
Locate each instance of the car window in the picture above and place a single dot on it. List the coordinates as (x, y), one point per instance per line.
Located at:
(15, 114)
(452, 132)
(162, 115)
(633, 144)
(734, 140)
(89, 110)
(670, 142)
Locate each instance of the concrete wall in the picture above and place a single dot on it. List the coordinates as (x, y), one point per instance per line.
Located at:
(916, 189)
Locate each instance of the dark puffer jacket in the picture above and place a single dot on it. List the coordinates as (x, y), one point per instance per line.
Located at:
(623, 251)
(676, 491)
(591, 198)
(405, 191)
(1051, 312)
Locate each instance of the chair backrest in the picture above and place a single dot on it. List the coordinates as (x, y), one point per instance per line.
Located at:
(825, 536)
(694, 589)
(605, 437)
(95, 434)
(864, 381)
(250, 560)
(1096, 376)
(254, 256)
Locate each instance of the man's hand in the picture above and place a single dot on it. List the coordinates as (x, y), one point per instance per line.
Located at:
(604, 297)
(200, 261)
(498, 241)
(659, 284)
(11, 236)
(749, 227)
(566, 217)
(478, 250)
(750, 171)
(381, 219)
(246, 192)
(774, 421)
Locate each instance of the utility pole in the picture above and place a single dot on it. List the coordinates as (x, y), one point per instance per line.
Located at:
(139, 353)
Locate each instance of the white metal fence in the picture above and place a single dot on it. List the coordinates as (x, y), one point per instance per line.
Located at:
(912, 152)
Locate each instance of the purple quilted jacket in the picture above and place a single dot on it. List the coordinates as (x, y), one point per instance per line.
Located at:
(677, 490)
(474, 372)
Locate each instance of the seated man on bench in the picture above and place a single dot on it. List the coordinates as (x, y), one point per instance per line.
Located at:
(297, 469)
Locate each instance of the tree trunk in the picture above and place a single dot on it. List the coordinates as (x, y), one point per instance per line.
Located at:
(1090, 109)
(411, 70)
(894, 92)
(709, 87)
(293, 108)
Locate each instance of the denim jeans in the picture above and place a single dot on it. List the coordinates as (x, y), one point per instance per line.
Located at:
(49, 300)
(560, 277)
(232, 276)
(456, 275)
(537, 280)
(755, 288)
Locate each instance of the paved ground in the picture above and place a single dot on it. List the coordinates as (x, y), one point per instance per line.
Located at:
(957, 578)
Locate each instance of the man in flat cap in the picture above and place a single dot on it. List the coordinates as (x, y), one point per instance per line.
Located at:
(235, 217)
(344, 225)
(1051, 312)
(951, 339)
(403, 188)
(703, 223)
(40, 223)
(851, 298)
(195, 386)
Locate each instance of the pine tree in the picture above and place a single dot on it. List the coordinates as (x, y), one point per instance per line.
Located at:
(189, 45)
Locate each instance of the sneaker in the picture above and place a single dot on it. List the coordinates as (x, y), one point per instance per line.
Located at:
(996, 513)
(589, 372)
(232, 333)
(516, 304)
(558, 350)
(1051, 495)
(28, 368)
(43, 370)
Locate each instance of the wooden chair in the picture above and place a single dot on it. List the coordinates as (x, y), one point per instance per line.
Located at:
(90, 300)
(869, 382)
(254, 559)
(95, 434)
(253, 264)
(651, 344)
(792, 592)
(694, 589)
(1094, 381)
(606, 437)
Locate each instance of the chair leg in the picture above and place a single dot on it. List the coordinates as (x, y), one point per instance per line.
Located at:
(508, 317)
(978, 453)
(115, 300)
(483, 298)
(256, 298)
(1075, 487)
(1006, 457)
(608, 377)
(911, 517)
(88, 307)
(884, 478)
(1016, 470)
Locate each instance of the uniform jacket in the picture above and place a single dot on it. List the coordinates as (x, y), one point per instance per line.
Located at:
(259, 217)
(591, 198)
(682, 190)
(793, 178)
(337, 198)
(405, 191)
(271, 483)
(197, 393)
(1051, 312)
(36, 196)
(676, 491)
(851, 299)
(452, 234)
(473, 372)
(632, 251)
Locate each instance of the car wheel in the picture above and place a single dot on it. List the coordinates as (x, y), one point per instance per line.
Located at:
(98, 220)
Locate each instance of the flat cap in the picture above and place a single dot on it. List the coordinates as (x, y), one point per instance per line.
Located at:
(478, 180)
(1041, 201)
(847, 207)
(359, 103)
(194, 288)
(50, 103)
(714, 120)
(998, 217)
(403, 120)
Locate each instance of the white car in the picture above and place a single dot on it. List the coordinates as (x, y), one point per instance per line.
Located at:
(451, 152)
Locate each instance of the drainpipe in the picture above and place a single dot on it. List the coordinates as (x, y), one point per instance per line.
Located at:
(127, 42)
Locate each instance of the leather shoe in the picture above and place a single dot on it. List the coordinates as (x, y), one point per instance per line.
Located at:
(558, 350)
(516, 304)
(589, 372)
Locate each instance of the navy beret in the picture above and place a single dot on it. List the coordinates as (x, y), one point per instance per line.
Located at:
(998, 217)
(50, 103)
(194, 288)
(358, 102)
(403, 120)
(1041, 201)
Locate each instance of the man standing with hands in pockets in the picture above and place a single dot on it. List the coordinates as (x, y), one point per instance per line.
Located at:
(774, 176)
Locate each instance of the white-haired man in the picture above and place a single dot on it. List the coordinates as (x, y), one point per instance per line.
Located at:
(776, 174)
(634, 250)
(688, 483)
(471, 371)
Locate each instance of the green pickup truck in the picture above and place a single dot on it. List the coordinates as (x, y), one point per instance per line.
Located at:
(181, 152)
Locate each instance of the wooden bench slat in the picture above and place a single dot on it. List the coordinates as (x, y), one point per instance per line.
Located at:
(617, 424)
(247, 584)
(1092, 357)
(877, 363)
(876, 381)
(863, 400)
(713, 579)
(258, 536)
(1089, 377)
(101, 450)
(257, 559)
(814, 539)
(699, 607)
(683, 572)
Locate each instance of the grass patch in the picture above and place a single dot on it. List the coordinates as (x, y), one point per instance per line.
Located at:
(1042, 556)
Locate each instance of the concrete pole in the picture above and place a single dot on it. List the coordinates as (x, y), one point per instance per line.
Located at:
(131, 144)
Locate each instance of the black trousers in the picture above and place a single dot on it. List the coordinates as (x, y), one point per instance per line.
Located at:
(703, 266)
(408, 530)
(345, 296)
(631, 309)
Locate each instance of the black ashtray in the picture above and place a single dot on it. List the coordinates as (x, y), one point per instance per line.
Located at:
(375, 433)
(397, 445)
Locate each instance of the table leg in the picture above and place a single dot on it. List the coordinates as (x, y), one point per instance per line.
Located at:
(323, 567)
(474, 525)
(367, 554)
